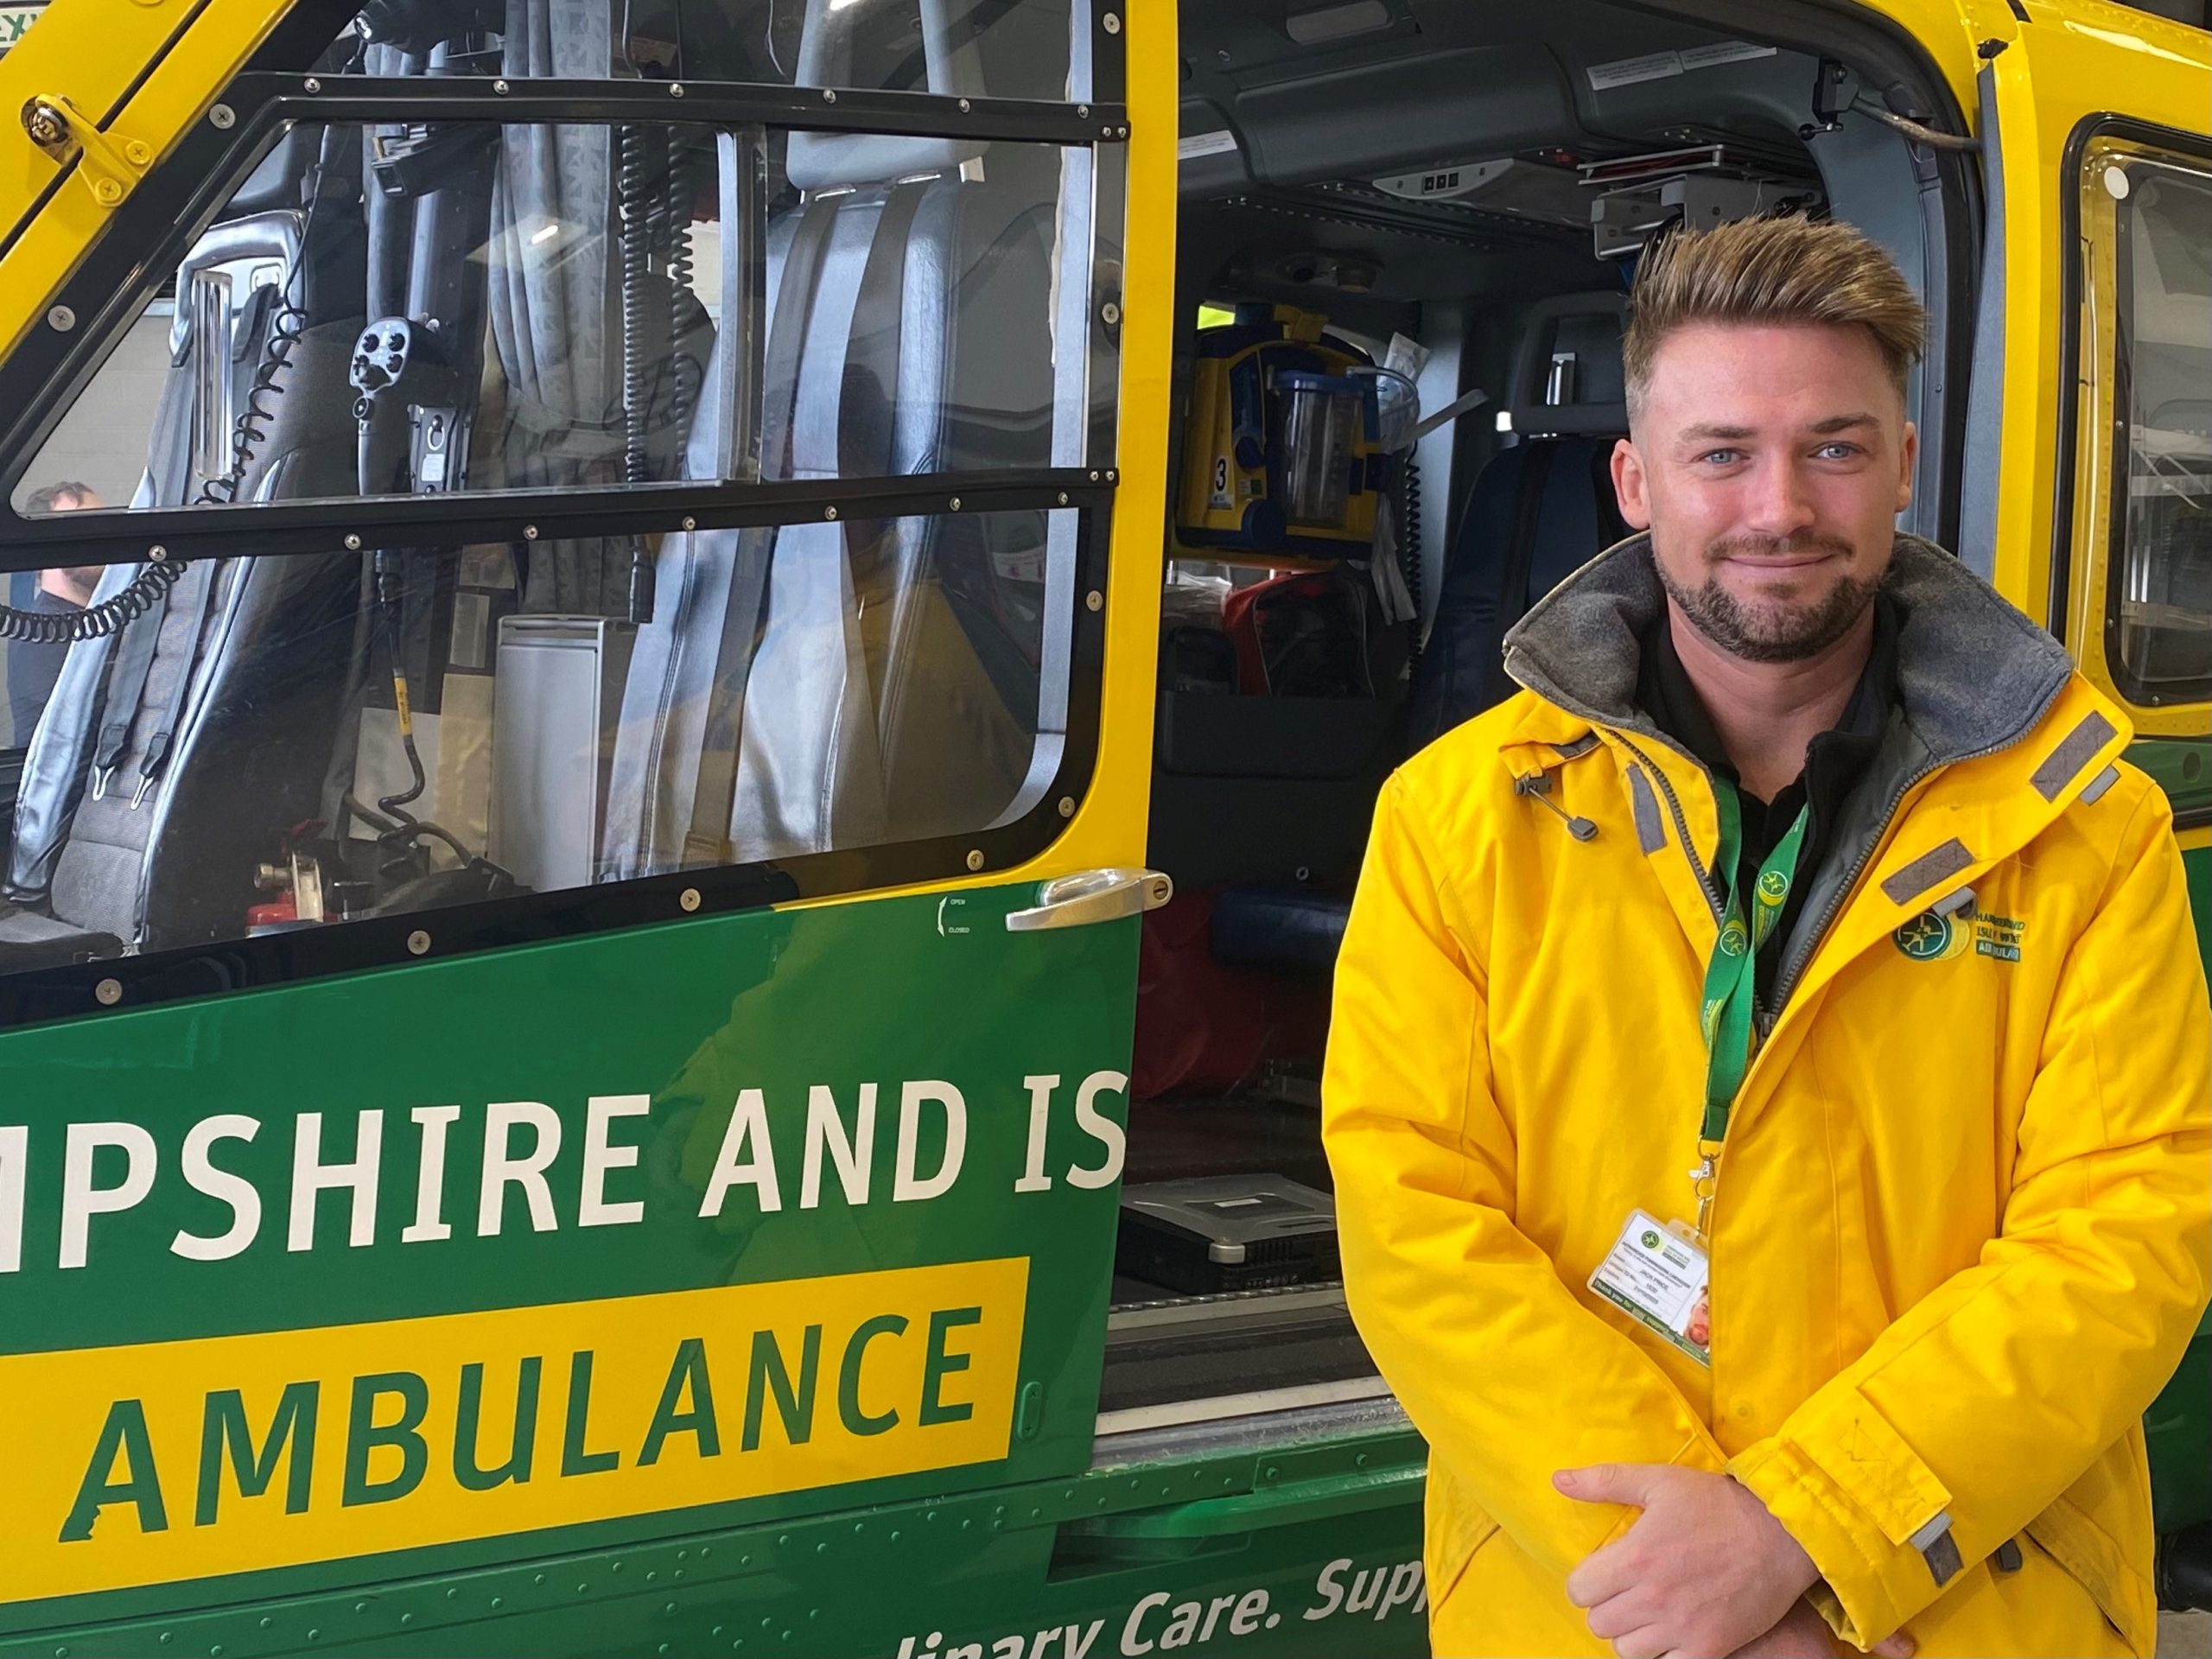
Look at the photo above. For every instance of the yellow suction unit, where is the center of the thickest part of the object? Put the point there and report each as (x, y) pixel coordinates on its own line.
(1281, 455)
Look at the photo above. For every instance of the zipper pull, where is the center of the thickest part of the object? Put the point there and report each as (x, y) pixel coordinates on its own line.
(1537, 787)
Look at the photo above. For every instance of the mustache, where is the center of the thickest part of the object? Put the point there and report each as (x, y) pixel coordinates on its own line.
(1778, 547)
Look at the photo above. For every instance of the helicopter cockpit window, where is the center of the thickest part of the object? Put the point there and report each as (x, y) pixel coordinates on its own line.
(374, 722)
(467, 307)
(401, 310)
(2159, 596)
(640, 330)
(291, 742)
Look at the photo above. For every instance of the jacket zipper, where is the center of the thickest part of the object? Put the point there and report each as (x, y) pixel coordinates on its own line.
(1793, 970)
(1786, 981)
(1704, 881)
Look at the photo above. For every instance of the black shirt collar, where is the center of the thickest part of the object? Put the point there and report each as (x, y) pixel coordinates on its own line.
(1838, 755)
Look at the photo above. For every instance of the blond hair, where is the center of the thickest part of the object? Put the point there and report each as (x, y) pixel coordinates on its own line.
(1790, 269)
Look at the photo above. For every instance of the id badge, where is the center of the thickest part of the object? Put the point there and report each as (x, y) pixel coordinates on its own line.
(1656, 1274)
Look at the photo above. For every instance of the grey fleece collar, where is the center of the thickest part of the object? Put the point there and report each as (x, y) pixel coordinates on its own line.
(1974, 675)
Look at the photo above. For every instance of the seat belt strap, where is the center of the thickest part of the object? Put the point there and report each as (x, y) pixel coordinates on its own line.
(163, 737)
(126, 687)
(879, 326)
(879, 329)
(788, 335)
(715, 793)
(1520, 555)
(1611, 527)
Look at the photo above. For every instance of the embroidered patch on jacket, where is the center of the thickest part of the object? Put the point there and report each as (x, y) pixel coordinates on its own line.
(1999, 936)
(1931, 937)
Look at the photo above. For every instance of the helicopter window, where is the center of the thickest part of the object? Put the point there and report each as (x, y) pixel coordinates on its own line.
(467, 307)
(2158, 593)
(420, 719)
(317, 738)
(339, 720)
(464, 307)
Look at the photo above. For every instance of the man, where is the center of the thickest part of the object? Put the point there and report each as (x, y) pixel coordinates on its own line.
(1794, 965)
(63, 591)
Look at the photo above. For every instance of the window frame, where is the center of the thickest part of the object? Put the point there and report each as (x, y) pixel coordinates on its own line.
(148, 233)
(2089, 526)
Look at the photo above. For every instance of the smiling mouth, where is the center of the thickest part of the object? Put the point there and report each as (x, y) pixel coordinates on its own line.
(1779, 554)
(1784, 561)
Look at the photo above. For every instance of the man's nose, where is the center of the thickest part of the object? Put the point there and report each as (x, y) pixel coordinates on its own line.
(1780, 505)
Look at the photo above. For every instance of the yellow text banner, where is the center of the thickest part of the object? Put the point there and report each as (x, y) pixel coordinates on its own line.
(150, 1464)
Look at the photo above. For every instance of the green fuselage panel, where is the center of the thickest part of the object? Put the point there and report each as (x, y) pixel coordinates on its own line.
(563, 1248)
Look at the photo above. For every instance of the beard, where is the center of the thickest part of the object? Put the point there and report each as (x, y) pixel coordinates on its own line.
(1771, 631)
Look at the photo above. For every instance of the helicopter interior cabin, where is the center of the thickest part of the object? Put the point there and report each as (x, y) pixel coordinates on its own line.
(1406, 233)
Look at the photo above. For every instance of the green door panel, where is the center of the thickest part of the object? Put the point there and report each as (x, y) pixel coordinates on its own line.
(1273, 1504)
(2183, 767)
(347, 1281)
(964, 1577)
(2178, 1426)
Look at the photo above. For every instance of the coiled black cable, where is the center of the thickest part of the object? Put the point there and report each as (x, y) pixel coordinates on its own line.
(689, 373)
(657, 264)
(145, 589)
(111, 615)
(637, 264)
(635, 214)
(251, 427)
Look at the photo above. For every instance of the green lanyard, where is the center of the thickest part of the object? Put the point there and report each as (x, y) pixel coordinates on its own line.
(1732, 979)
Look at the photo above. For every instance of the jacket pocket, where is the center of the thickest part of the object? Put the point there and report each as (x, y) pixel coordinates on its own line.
(1457, 1531)
(2088, 1555)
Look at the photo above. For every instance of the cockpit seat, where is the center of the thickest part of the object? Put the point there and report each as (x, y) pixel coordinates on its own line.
(835, 685)
(1539, 509)
(142, 826)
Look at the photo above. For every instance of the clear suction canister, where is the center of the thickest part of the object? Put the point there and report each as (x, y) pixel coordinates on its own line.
(1317, 445)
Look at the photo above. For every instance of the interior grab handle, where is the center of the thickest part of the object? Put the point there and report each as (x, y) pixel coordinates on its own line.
(1092, 896)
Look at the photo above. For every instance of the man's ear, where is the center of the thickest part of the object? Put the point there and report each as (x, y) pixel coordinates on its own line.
(1910, 452)
(1629, 486)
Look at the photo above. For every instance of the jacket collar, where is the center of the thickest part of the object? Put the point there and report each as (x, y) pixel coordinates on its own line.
(1993, 735)
(1974, 675)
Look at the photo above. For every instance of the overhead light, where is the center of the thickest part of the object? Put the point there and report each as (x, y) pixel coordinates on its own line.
(1325, 24)
(544, 233)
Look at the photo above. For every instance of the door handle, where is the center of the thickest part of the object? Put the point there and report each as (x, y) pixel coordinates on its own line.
(1092, 896)
(1293, 1503)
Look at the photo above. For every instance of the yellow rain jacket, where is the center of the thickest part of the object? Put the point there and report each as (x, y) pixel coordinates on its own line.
(1960, 1236)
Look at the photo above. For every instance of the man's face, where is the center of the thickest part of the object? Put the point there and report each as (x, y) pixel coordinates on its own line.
(86, 577)
(1769, 463)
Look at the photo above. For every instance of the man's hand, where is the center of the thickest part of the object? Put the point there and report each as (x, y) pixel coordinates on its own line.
(1803, 1634)
(1705, 1569)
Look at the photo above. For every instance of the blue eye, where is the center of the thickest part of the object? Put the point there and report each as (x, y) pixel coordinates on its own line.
(1839, 451)
(1721, 457)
